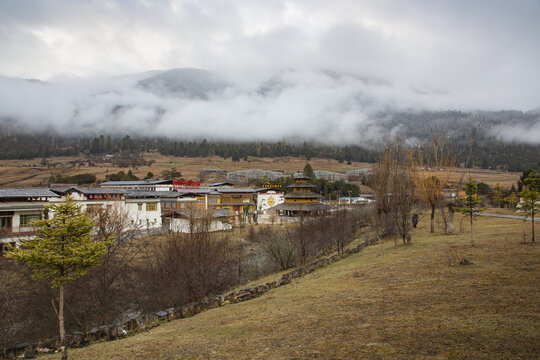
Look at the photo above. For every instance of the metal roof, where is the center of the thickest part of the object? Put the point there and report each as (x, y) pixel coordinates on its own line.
(224, 183)
(199, 214)
(302, 195)
(142, 194)
(236, 190)
(19, 207)
(301, 185)
(300, 207)
(95, 190)
(263, 189)
(202, 190)
(26, 193)
(136, 182)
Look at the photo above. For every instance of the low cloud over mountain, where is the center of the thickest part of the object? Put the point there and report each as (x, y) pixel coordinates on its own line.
(325, 106)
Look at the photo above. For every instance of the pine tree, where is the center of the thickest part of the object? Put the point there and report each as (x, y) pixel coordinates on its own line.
(530, 198)
(308, 171)
(498, 197)
(470, 204)
(63, 250)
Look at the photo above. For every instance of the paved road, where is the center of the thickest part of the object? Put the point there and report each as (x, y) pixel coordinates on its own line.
(511, 217)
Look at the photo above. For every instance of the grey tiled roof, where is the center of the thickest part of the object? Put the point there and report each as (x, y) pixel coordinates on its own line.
(26, 192)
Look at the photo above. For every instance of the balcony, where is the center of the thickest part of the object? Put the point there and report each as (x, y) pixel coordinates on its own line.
(17, 231)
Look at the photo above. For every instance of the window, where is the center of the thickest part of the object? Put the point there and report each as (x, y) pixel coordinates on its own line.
(139, 206)
(151, 207)
(27, 220)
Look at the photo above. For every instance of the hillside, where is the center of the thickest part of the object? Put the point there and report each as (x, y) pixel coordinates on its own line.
(387, 302)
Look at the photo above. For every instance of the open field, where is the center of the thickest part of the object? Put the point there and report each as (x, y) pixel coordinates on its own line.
(388, 302)
(33, 173)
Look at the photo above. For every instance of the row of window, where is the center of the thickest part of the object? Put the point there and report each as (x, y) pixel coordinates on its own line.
(28, 220)
(149, 206)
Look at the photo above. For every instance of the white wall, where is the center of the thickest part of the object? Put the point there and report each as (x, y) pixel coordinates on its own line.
(268, 199)
(182, 225)
(144, 219)
(141, 219)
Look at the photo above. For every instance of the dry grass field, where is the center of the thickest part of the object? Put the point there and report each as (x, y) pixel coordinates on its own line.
(387, 302)
(33, 173)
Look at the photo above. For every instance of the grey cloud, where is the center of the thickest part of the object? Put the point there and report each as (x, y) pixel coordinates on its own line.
(424, 55)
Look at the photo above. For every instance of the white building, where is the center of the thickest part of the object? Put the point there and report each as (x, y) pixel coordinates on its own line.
(142, 207)
(19, 207)
(150, 185)
(266, 198)
(196, 220)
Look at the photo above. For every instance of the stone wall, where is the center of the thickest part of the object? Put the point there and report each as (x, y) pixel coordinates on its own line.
(149, 321)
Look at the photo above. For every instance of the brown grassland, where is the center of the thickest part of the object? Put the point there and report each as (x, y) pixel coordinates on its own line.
(15, 173)
(31, 172)
(387, 302)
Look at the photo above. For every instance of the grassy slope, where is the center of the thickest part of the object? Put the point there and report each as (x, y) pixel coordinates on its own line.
(386, 302)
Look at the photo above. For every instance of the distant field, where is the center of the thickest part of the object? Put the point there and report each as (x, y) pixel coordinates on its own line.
(388, 302)
(32, 173)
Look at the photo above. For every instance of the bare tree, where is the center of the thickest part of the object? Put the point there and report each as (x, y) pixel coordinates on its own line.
(393, 181)
(380, 182)
(106, 290)
(301, 238)
(278, 245)
(185, 267)
(433, 168)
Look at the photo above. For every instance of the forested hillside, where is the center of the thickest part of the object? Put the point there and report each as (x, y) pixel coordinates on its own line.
(482, 139)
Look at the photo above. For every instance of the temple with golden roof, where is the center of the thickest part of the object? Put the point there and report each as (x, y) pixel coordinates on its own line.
(301, 200)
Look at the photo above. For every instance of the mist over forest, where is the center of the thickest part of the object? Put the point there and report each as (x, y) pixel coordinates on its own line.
(192, 104)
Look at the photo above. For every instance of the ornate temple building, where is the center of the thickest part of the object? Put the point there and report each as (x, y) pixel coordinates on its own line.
(301, 200)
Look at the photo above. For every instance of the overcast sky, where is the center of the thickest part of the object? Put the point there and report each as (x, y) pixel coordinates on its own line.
(470, 54)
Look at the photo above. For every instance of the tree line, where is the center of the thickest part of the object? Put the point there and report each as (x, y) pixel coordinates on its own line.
(472, 149)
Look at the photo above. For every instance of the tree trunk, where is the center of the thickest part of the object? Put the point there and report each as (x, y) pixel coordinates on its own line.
(472, 238)
(532, 221)
(63, 344)
(451, 220)
(432, 230)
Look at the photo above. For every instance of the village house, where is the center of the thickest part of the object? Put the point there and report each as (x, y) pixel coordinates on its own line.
(237, 200)
(150, 185)
(142, 207)
(19, 207)
(193, 220)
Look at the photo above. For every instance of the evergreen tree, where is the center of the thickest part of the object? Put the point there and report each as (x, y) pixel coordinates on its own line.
(498, 197)
(530, 199)
(308, 171)
(470, 204)
(63, 250)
